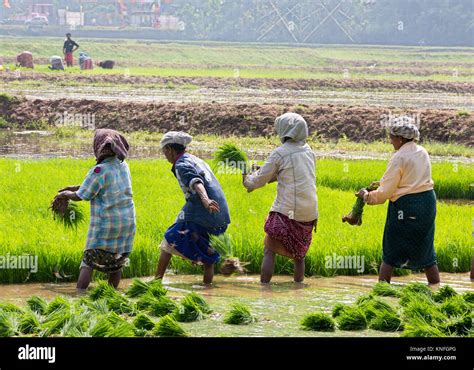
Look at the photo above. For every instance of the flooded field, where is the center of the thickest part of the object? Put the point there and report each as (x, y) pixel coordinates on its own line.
(278, 307)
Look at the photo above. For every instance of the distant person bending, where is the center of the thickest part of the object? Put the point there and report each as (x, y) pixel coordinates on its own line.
(70, 46)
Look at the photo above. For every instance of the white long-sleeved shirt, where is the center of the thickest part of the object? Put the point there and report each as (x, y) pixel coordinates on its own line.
(293, 166)
(408, 172)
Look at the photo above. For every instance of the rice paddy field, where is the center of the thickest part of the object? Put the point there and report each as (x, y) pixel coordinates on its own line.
(230, 94)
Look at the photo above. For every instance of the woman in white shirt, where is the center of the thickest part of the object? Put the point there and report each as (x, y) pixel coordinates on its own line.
(294, 212)
(408, 240)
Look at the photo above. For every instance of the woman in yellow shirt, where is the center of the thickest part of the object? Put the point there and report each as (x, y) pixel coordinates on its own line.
(408, 240)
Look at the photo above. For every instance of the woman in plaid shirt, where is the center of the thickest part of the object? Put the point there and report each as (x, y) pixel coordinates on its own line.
(108, 187)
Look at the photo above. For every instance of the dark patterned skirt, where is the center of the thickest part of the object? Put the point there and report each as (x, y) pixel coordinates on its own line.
(104, 261)
(408, 239)
(294, 235)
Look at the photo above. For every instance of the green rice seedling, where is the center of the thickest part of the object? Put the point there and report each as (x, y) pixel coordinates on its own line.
(37, 304)
(120, 305)
(55, 321)
(57, 303)
(318, 321)
(200, 301)
(385, 289)
(143, 321)
(408, 296)
(232, 156)
(162, 306)
(355, 216)
(156, 288)
(239, 314)
(338, 308)
(444, 293)
(229, 263)
(352, 318)
(459, 326)
(102, 290)
(10, 307)
(386, 321)
(145, 301)
(168, 327)
(137, 288)
(100, 327)
(123, 329)
(76, 325)
(417, 287)
(188, 311)
(468, 297)
(420, 306)
(373, 307)
(99, 307)
(455, 306)
(142, 333)
(417, 326)
(8, 323)
(67, 213)
(29, 322)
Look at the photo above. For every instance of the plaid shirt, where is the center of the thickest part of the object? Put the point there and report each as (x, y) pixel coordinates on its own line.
(108, 186)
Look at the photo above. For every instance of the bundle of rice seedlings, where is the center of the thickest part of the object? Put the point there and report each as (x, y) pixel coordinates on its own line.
(122, 329)
(385, 289)
(100, 327)
(352, 318)
(102, 290)
(373, 307)
(386, 321)
(417, 287)
(188, 311)
(143, 321)
(421, 307)
(139, 288)
(338, 308)
(318, 322)
(10, 307)
(67, 213)
(200, 301)
(408, 297)
(459, 326)
(29, 322)
(468, 297)
(37, 304)
(355, 216)
(57, 303)
(8, 323)
(99, 306)
(120, 305)
(144, 302)
(444, 293)
(141, 333)
(76, 325)
(54, 321)
(229, 263)
(455, 306)
(239, 315)
(418, 327)
(162, 306)
(168, 327)
(232, 156)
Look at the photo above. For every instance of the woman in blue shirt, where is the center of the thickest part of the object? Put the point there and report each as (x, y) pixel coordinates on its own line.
(205, 212)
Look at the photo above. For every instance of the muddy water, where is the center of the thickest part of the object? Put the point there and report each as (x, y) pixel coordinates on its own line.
(278, 307)
(409, 99)
(44, 144)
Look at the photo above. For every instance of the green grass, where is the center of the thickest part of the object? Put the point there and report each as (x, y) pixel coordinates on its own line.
(252, 60)
(239, 314)
(26, 195)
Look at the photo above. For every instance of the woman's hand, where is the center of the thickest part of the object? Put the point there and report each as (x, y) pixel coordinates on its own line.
(70, 188)
(67, 194)
(211, 205)
(362, 194)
